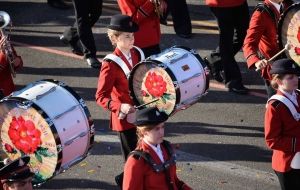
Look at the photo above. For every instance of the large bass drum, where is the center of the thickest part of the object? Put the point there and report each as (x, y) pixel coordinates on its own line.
(289, 32)
(49, 122)
(177, 78)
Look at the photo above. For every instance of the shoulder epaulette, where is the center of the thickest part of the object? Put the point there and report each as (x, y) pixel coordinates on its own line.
(262, 7)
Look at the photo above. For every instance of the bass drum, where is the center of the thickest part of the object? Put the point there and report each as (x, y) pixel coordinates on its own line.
(177, 78)
(289, 32)
(49, 122)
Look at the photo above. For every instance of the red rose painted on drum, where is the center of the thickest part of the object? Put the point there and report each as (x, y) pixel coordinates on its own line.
(155, 84)
(24, 135)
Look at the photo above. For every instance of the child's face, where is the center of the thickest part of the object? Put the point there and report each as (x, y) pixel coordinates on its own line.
(155, 135)
(125, 41)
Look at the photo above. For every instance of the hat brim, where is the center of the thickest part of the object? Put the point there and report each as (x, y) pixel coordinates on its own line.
(133, 28)
(284, 71)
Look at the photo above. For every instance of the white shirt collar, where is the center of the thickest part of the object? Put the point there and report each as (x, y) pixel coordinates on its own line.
(157, 150)
(292, 97)
(276, 5)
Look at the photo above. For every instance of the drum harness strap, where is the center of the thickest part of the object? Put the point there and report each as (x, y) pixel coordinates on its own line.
(288, 104)
(263, 7)
(121, 63)
(164, 167)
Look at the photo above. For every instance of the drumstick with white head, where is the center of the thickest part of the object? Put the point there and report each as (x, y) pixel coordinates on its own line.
(286, 47)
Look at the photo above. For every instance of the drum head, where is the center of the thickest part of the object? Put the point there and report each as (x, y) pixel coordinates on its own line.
(289, 32)
(24, 130)
(148, 82)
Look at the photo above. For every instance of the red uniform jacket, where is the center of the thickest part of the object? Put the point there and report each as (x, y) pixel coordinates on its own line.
(262, 37)
(224, 3)
(282, 134)
(113, 89)
(143, 13)
(139, 175)
(6, 81)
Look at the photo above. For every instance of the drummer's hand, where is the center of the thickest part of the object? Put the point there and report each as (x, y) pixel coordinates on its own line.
(127, 108)
(261, 64)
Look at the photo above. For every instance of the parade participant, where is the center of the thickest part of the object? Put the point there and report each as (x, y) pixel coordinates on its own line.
(152, 165)
(261, 41)
(180, 17)
(80, 36)
(16, 175)
(113, 88)
(146, 14)
(282, 126)
(233, 19)
(7, 85)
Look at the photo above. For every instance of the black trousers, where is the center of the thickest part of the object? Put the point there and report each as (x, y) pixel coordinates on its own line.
(87, 14)
(289, 180)
(151, 50)
(180, 16)
(233, 23)
(128, 140)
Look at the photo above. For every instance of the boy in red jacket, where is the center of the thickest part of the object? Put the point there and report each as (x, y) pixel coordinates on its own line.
(261, 42)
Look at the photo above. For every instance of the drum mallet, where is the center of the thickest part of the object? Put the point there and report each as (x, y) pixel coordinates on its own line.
(155, 100)
(286, 47)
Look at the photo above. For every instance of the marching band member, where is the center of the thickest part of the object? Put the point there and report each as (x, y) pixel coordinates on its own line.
(233, 18)
(16, 175)
(146, 14)
(152, 165)
(113, 88)
(282, 126)
(6, 81)
(261, 42)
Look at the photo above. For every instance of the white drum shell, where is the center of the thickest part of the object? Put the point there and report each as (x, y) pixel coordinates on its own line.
(66, 114)
(191, 82)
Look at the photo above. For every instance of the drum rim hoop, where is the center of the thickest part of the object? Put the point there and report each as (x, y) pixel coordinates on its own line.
(52, 128)
(280, 23)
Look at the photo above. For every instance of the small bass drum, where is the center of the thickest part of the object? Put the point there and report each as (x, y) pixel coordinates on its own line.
(49, 122)
(177, 78)
(289, 32)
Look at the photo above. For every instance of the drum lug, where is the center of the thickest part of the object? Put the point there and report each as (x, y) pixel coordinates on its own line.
(49, 121)
(193, 51)
(44, 94)
(25, 104)
(162, 65)
(181, 57)
(59, 148)
(70, 141)
(176, 84)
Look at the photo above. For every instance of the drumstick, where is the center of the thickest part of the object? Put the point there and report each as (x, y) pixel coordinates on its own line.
(155, 100)
(286, 47)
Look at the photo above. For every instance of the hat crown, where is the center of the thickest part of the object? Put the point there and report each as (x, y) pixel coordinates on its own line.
(283, 66)
(150, 116)
(122, 23)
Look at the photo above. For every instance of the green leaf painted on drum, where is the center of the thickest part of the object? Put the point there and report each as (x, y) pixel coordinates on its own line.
(38, 178)
(168, 96)
(44, 152)
(163, 100)
(38, 157)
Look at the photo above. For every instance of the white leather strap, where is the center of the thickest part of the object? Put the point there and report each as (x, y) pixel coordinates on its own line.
(288, 104)
(120, 62)
(141, 52)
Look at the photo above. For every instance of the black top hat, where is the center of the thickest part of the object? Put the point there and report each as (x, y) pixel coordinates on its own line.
(150, 116)
(16, 170)
(122, 23)
(284, 66)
